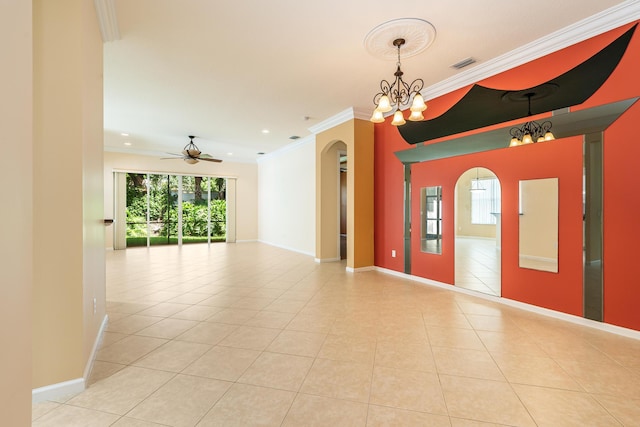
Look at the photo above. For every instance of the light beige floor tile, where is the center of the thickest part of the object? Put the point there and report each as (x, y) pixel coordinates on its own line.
(129, 349)
(127, 307)
(297, 343)
(167, 328)
(338, 379)
(223, 363)
(109, 338)
(101, 370)
(454, 338)
(207, 333)
(349, 349)
(459, 422)
(611, 379)
(380, 416)
(71, 416)
(311, 323)
(223, 301)
(466, 363)
(500, 342)
(270, 319)
(413, 355)
(162, 296)
(189, 298)
(286, 305)
(131, 324)
(366, 327)
(560, 408)
(493, 323)
(245, 405)
(280, 371)
(174, 356)
(249, 303)
(233, 316)
(41, 408)
(451, 318)
(531, 370)
(164, 309)
(413, 390)
(181, 402)
(484, 400)
(122, 391)
(250, 337)
(317, 411)
(626, 411)
(132, 422)
(196, 312)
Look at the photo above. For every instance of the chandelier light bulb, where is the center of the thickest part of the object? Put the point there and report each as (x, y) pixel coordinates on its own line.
(398, 118)
(416, 116)
(377, 116)
(384, 104)
(418, 104)
(549, 136)
(514, 142)
(526, 139)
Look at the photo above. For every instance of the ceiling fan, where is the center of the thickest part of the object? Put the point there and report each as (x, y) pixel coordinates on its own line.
(191, 154)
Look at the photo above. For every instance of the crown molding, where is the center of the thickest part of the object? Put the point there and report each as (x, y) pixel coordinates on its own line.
(343, 116)
(108, 20)
(614, 17)
(333, 121)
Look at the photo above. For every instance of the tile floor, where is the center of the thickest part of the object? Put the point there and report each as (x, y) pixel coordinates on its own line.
(478, 265)
(247, 334)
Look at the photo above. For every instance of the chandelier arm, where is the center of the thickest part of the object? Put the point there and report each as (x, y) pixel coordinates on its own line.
(416, 86)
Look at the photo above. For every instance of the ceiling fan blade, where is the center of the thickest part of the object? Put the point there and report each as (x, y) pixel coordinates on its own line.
(210, 160)
(171, 158)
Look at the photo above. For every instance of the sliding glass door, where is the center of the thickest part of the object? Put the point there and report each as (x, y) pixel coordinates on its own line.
(171, 209)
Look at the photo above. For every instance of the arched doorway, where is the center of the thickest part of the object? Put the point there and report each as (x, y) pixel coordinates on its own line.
(478, 236)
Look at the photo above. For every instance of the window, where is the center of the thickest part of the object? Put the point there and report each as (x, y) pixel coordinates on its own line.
(484, 203)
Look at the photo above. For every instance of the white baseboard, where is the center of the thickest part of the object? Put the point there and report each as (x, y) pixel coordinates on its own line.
(58, 390)
(75, 386)
(288, 248)
(361, 269)
(323, 260)
(94, 349)
(618, 330)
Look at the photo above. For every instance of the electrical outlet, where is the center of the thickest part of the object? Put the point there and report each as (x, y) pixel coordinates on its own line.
(393, 253)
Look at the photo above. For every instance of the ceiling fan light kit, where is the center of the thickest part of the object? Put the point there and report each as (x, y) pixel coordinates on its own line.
(191, 154)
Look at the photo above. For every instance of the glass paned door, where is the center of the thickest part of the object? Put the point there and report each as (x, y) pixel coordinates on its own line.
(195, 209)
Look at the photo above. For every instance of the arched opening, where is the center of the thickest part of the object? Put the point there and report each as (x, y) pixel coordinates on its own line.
(331, 202)
(478, 231)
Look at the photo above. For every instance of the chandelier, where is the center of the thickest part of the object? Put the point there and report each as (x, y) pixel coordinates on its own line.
(397, 95)
(532, 131)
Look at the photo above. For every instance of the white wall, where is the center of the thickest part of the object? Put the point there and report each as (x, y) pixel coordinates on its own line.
(286, 197)
(246, 188)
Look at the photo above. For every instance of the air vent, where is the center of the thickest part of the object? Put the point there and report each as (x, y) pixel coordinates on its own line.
(465, 62)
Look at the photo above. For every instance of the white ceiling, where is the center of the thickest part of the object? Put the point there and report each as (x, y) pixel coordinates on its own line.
(226, 70)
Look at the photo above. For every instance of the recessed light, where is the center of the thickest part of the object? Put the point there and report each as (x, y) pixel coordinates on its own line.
(124, 134)
(261, 153)
(127, 143)
(294, 137)
(265, 131)
(229, 154)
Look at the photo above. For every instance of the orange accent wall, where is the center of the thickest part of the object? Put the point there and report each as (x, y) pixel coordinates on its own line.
(561, 158)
